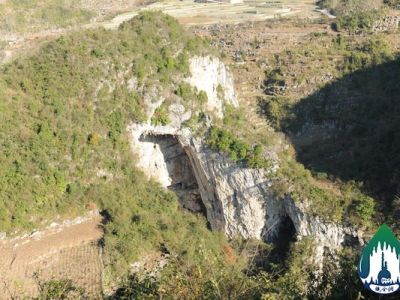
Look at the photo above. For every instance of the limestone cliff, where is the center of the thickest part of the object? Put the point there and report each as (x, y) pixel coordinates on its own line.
(235, 199)
(209, 74)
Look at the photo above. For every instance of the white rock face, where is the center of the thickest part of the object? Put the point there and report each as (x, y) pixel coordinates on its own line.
(236, 200)
(151, 158)
(327, 236)
(240, 201)
(234, 197)
(207, 73)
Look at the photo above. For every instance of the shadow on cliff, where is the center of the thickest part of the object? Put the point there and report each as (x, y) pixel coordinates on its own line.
(351, 129)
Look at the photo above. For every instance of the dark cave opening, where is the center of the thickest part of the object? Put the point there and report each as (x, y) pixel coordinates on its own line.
(285, 236)
(276, 252)
(175, 164)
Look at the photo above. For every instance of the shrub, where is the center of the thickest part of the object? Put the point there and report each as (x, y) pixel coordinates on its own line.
(277, 110)
(274, 77)
(372, 52)
(365, 208)
(59, 289)
(234, 117)
(256, 159)
(135, 288)
(185, 90)
(220, 92)
(357, 22)
(224, 141)
(97, 53)
(202, 98)
(160, 116)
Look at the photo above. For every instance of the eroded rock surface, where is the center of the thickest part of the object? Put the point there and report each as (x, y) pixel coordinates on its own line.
(236, 200)
(209, 74)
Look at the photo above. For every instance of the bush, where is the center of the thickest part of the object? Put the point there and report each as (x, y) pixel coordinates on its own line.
(222, 140)
(160, 117)
(274, 77)
(202, 98)
(256, 159)
(375, 51)
(97, 53)
(185, 90)
(357, 22)
(277, 110)
(59, 289)
(234, 117)
(365, 208)
(135, 288)
(220, 92)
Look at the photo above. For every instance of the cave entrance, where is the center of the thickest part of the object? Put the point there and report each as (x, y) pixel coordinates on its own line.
(170, 165)
(281, 241)
(284, 238)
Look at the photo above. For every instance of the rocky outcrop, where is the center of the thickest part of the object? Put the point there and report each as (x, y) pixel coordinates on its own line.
(207, 74)
(238, 200)
(387, 23)
(212, 76)
(235, 199)
(327, 236)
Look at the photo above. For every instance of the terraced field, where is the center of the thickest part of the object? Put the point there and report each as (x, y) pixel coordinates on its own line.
(63, 252)
(192, 13)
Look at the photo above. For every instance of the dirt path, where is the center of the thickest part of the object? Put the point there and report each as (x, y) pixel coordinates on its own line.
(68, 251)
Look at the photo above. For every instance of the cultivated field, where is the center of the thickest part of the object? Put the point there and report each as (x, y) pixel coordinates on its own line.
(192, 13)
(63, 252)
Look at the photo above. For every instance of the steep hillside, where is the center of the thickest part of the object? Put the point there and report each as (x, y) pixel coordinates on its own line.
(143, 123)
(341, 111)
(357, 116)
(64, 145)
(65, 148)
